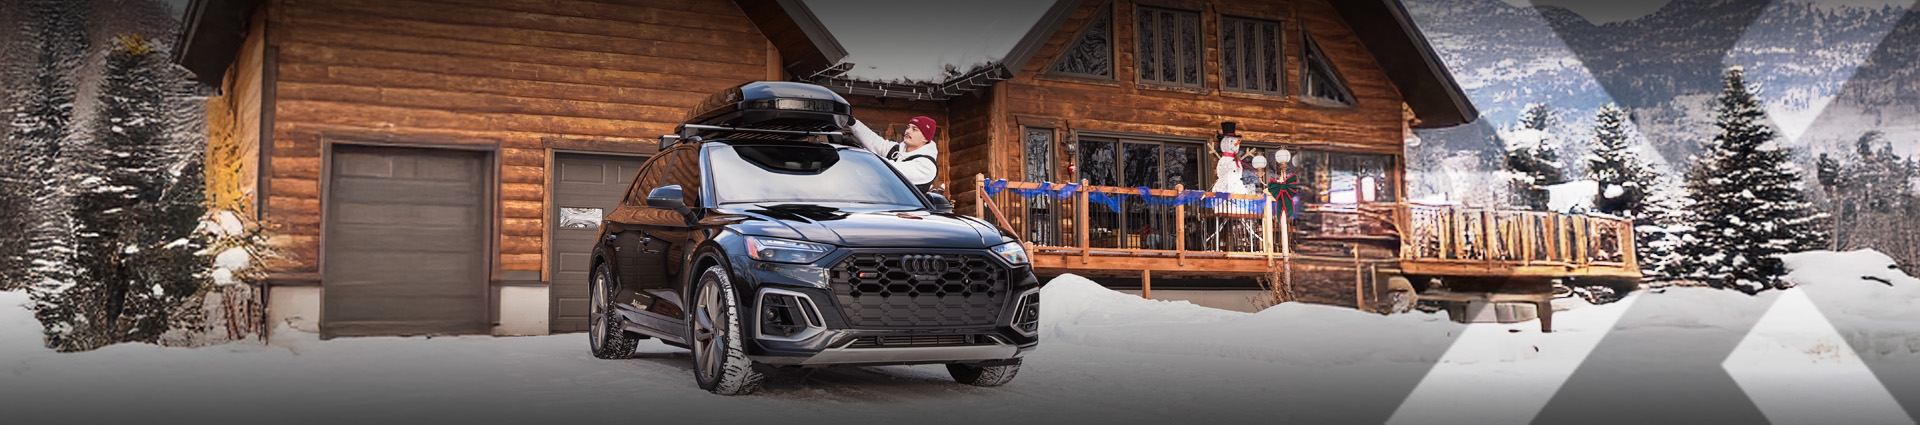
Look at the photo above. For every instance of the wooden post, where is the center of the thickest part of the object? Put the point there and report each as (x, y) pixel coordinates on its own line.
(1526, 238)
(1545, 312)
(1080, 213)
(1180, 225)
(980, 196)
(1359, 281)
(1486, 236)
(1266, 228)
(1627, 250)
(1146, 284)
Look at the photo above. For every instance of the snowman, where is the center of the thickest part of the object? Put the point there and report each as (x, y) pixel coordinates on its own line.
(1227, 171)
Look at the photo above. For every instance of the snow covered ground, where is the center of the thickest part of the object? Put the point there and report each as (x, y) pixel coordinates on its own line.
(1106, 357)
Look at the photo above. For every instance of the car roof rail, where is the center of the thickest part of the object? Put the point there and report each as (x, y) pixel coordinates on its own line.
(697, 132)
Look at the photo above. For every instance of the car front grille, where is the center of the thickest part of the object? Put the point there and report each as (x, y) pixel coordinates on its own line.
(920, 290)
(920, 341)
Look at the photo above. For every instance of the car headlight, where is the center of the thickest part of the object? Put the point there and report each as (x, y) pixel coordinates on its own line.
(1012, 252)
(784, 250)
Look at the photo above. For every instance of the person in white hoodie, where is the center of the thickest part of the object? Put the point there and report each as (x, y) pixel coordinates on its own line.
(914, 155)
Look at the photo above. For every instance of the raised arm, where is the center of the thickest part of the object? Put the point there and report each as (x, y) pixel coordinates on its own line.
(871, 140)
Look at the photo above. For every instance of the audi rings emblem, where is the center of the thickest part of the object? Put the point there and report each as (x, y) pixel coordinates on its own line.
(923, 264)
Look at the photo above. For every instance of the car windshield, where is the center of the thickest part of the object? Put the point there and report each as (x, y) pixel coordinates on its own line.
(805, 174)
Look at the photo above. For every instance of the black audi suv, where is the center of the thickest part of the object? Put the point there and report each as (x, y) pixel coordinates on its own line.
(762, 237)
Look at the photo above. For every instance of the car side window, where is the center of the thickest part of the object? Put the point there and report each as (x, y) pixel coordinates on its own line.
(686, 173)
(646, 180)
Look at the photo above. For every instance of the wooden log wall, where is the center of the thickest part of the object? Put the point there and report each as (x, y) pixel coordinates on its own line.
(518, 76)
(1374, 124)
(233, 128)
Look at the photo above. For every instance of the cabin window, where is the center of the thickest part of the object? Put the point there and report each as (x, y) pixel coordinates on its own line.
(1320, 80)
(1137, 163)
(1039, 144)
(1091, 54)
(1169, 46)
(1346, 178)
(1250, 56)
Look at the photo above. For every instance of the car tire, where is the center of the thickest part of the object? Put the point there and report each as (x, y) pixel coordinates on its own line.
(720, 363)
(984, 376)
(606, 331)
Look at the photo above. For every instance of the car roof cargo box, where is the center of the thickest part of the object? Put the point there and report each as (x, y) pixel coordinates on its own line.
(769, 110)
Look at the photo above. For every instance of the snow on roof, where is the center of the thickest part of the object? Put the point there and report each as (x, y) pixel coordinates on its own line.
(917, 42)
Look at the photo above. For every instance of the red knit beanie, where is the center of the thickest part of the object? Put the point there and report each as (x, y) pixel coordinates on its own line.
(925, 125)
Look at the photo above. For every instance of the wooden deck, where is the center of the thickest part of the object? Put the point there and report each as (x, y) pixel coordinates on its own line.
(1177, 233)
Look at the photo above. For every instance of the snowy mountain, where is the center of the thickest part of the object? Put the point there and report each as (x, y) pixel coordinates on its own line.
(1665, 67)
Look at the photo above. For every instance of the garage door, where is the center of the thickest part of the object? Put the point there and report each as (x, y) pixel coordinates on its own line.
(585, 188)
(406, 243)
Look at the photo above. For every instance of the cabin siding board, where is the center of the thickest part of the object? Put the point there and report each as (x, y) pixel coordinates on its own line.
(519, 76)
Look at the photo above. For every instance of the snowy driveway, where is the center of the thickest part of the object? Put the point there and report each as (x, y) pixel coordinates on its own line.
(1106, 358)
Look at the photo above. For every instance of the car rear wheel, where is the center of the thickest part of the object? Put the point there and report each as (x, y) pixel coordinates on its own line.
(606, 330)
(720, 362)
(984, 376)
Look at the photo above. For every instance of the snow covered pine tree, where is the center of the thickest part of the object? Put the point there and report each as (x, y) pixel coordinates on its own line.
(1871, 196)
(42, 130)
(1748, 198)
(1616, 165)
(137, 210)
(1533, 158)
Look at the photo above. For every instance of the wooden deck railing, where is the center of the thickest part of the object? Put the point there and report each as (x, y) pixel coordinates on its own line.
(1449, 233)
(1072, 222)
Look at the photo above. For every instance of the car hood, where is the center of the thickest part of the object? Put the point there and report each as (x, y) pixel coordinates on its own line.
(866, 228)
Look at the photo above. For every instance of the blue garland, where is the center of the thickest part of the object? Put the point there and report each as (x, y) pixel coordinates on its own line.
(1066, 191)
(994, 187)
(1184, 198)
(1111, 200)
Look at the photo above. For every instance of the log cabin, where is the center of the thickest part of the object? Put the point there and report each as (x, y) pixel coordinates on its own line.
(439, 166)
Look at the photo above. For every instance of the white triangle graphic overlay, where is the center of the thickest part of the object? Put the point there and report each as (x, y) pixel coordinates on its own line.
(1796, 107)
(1493, 376)
(1798, 370)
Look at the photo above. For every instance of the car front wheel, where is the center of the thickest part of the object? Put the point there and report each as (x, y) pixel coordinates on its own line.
(984, 376)
(720, 362)
(606, 331)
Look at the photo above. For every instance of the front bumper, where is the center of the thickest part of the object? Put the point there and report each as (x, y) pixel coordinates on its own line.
(823, 335)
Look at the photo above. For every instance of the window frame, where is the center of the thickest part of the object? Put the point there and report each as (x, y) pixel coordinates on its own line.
(1202, 176)
(1053, 144)
(1309, 50)
(1113, 56)
(1199, 64)
(1279, 43)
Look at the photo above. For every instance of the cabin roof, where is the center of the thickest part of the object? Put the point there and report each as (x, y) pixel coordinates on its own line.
(213, 31)
(211, 34)
(1389, 34)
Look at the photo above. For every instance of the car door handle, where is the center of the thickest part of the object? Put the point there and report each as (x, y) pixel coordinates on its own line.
(644, 242)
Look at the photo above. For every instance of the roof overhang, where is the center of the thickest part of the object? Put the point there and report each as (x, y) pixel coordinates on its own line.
(818, 59)
(1397, 43)
(211, 35)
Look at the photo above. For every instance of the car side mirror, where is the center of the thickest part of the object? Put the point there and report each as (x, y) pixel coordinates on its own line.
(940, 204)
(668, 197)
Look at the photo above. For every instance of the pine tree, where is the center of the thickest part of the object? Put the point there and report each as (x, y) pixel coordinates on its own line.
(1749, 204)
(1665, 232)
(41, 138)
(1616, 166)
(137, 209)
(1870, 192)
(1533, 158)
